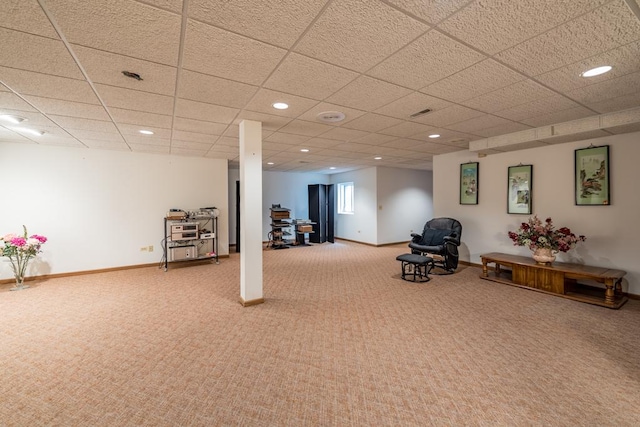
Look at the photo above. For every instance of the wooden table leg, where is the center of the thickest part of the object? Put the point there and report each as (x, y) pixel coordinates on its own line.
(498, 271)
(485, 272)
(609, 296)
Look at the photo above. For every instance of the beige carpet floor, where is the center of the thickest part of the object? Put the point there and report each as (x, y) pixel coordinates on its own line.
(340, 341)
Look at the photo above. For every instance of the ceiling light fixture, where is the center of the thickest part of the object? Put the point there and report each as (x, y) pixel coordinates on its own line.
(146, 132)
(280, 106)
(377, 158)
(12, 119)
(331, 116)
(270, 163)
(596, 71)
(304, 150)
(435, 135)
(32, 131)
(332, 167)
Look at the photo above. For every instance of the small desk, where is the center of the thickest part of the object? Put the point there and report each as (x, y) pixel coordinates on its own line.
(558, 279)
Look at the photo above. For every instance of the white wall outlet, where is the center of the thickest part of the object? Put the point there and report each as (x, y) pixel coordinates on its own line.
(150, 248)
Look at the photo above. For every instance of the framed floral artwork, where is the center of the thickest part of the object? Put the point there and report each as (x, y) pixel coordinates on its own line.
(469, 183)
(592, 176)
(519, 191)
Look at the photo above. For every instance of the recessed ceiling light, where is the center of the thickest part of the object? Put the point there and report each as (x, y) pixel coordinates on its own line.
(332, 167)
(596, 71)
(33, 131)
(269, 163)
(435, 135)
(280, 106)
(146, 132)
(12, 119)
(304, 150)
(377, 158)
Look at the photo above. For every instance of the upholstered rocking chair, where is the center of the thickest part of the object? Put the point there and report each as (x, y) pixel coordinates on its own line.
(440, 236)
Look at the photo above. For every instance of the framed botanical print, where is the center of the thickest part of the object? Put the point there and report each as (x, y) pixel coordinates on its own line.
(469, 183)
(519, 191)
(592, 176)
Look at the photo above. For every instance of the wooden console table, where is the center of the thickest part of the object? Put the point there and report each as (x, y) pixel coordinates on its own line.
(558, 279)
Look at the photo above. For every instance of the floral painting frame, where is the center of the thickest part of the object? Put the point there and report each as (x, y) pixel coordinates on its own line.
(469, 183)
(592, 186)
(520, 189)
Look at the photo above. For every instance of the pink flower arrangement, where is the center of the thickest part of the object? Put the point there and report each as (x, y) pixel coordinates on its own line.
(535, 234)
(20, 249)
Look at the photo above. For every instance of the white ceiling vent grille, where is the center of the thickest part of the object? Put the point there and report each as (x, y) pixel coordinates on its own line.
(420, 113)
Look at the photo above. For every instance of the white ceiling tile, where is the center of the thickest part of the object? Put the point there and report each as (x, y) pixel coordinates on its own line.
(35, 53)
(147, 140)
(344, 134)
(192, 145)
(401, 143)
(375, 139)
(432, 11)
(82, 134)
(366, 93)
(404, 107)
(495, 25)
(245, 60)
(607, 89)
(509, 96)
(128, 129)
(130, 99)
(537, 107)
(7, 135)
(104, 67)
(625, 60)
(263, 101)
(182, 123)
(11, 101)
(258, 19)
(214, 90)
(372, 122)
(68, 108)
(558, 116)
(432, 57)
(188, 152)
(322, 142)
(25, 16)
(406, 129)
(269, 121)
(84, 124)
(121, 26)
(286, 138)
(434, 148)
(315, 80)
(357, 35)
(141, 118)
(202, 111)
(323, 107)
(62, 141)
(478, 123)
(483, 77)
(615, 104)
(231, 142)
(605, 28)
(449, 115)
(171, 5)
(47, 86)
(300, 127)
(502, 129)
(194, 137)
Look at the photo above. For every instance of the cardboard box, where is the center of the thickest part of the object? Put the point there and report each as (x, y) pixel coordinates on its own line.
(305, 228)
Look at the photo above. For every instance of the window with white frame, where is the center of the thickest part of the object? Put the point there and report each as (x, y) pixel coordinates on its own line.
(345, 198)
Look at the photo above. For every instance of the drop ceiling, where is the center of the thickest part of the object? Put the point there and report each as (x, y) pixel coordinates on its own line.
(485, 69)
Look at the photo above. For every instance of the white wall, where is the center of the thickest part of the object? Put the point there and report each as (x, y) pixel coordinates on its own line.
(362, 225)
(288, 189)
(612, 231)
(405, 203)
(98, 208)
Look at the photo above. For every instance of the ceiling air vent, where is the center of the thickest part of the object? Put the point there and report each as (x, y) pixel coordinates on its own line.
(419, 113)
(132, 75)
(331, 116)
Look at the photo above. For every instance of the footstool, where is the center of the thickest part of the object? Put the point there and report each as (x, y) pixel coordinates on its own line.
(415, 265)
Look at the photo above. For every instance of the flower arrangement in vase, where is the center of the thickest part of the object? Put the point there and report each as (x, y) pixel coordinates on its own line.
(544, 239)
(20, 249)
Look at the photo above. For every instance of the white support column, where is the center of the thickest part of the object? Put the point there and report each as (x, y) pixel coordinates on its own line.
(250, 213)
